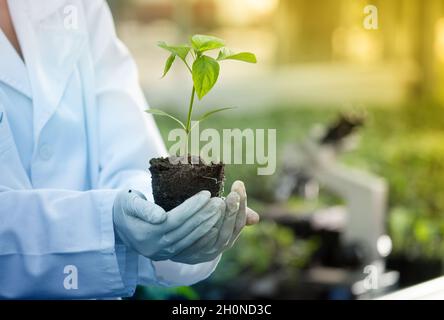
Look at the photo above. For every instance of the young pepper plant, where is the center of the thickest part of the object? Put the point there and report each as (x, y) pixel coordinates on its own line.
(203, 68)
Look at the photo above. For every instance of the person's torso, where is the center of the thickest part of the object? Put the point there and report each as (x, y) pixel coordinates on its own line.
(43, 105)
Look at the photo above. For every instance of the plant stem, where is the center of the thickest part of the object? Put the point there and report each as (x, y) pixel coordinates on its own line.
(190, 111)
(188, 126)
(188, 66)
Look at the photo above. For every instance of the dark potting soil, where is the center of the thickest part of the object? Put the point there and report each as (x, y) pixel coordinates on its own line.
(173, 182)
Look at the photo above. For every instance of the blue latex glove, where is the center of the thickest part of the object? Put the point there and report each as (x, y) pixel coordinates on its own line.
(149, 230)
(226, 231)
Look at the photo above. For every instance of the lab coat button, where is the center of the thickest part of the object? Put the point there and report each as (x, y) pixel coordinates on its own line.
(45, 152)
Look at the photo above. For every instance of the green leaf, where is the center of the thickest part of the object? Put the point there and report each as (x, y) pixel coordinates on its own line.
(158, 112)
(202, 43)
(181, 51)
(168, 64)
(226, 54)
(205, 74)
(210, 113)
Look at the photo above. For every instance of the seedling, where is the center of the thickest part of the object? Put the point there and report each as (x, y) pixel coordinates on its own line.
(175, 182)
(203, 68)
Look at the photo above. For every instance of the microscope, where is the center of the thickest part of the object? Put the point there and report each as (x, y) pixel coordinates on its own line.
(357, 261)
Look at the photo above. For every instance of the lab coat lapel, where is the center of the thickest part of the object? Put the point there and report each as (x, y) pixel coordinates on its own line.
(12, 69)
(13, 175)
(51, 50)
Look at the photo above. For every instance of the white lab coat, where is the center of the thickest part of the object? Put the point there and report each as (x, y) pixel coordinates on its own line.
(82, 136)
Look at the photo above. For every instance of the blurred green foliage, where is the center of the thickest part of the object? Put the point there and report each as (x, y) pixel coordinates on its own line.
(404, 144)
(406, 147)
(155, 293)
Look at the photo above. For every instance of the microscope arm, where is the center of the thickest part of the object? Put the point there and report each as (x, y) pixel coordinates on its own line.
(365, 196)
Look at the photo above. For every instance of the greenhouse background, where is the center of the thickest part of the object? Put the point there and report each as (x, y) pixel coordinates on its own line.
(316, 61)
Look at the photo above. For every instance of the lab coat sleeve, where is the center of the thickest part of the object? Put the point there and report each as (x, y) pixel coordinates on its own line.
(60, 244)
(173, 274)
(128, 136)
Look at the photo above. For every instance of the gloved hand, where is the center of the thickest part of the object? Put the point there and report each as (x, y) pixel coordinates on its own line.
(224, 234)
(149, 230)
